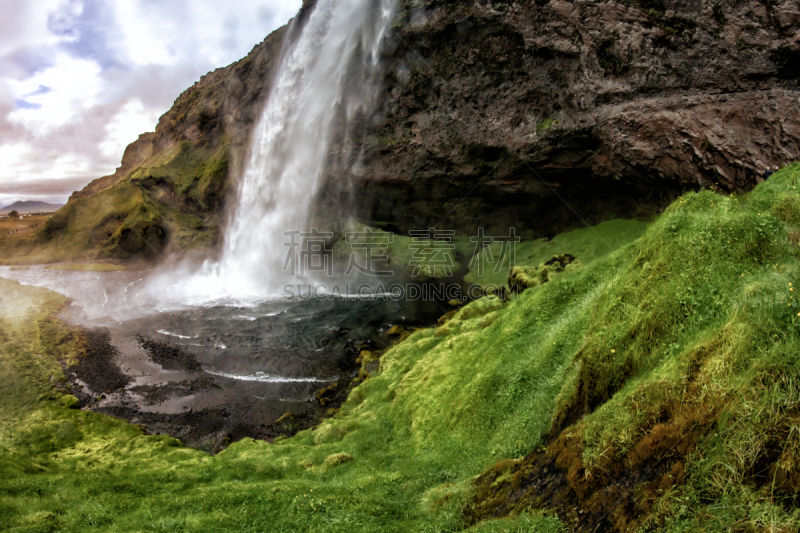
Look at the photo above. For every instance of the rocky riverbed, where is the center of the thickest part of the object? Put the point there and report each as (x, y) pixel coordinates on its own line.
(217, 373)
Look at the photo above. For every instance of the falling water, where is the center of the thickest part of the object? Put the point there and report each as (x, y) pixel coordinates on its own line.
(326, 72)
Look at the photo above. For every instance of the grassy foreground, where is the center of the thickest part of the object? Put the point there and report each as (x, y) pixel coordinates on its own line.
(684, 344)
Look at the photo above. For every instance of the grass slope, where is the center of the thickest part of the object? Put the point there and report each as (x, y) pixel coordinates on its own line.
(679, 350)
(586, 244)
(490, 266)
(169, 204)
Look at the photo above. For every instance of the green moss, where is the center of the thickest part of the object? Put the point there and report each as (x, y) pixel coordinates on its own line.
(69, 401)
(198, 174)
(213, 182)
(545, 124)
(586, 244)
(336, 459)
(692, 317)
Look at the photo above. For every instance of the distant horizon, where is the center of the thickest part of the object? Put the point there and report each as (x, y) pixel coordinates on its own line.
(26, 202)
(32, 205)
(53, 201)
(57, 199)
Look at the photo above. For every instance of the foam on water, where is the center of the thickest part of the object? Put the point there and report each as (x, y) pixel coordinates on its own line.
(268, 378)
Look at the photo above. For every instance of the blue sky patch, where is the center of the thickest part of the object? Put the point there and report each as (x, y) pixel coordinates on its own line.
(43, 89)
(22, 104)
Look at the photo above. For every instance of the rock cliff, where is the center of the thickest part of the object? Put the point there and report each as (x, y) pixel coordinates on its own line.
(541, 115)
(608, 106)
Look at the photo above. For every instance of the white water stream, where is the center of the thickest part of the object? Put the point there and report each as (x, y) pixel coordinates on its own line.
(327, 72)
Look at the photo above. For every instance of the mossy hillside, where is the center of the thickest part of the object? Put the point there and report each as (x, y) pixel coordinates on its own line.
(405, 253)
(688, 375)
(679, 333)
(406, 473)
(105, 225)
(194, 173)
(364, 471)
(717, 341)
(170, 204)
(43, 442)
(586, 244)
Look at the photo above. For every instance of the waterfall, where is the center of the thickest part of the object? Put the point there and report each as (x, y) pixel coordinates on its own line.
(328, 71)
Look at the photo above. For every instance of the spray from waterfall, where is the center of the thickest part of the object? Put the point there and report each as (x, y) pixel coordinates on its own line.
(327, 72)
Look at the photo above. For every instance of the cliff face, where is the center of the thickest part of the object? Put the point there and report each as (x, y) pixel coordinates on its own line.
(540, 115)
(170, 191)
(606, 106)
(221, 107)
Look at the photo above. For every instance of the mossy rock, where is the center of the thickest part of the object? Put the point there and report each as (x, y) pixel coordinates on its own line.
(398, 334)
(287, 421)
(143, 237)
(528, 277)
(524, 277)
(371, 368)
(447, 316)
(332, 461)
(327, 395)
(395, 330)
(69, 401)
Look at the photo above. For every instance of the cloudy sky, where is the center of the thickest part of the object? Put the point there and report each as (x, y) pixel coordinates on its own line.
(81, 79)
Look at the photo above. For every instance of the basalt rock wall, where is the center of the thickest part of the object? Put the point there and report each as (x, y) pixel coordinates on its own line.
(540, 115)
(544, 113)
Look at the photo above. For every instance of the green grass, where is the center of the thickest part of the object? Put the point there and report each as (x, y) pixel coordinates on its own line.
(586, 244)
(545, 124)
(693, 320)
(169, 204)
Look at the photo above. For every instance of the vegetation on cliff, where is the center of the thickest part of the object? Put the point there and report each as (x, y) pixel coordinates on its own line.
(653, 387)
(171, 203)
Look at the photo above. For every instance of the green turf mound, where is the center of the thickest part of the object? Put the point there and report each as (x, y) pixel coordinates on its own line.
(652, 388)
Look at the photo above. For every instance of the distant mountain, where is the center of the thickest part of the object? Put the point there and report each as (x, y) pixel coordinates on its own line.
(30, 207)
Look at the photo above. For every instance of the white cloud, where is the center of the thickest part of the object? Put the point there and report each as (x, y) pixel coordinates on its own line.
(24, 24)
(17, 162)
(89, 76)
(143, 36)
(132, 120)
(31, 173)
(61, 92)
